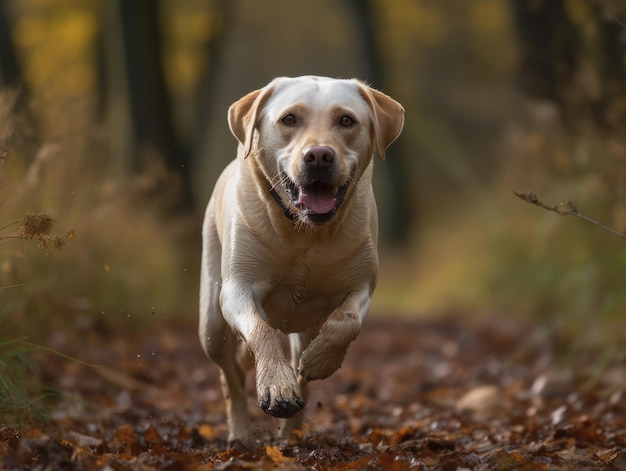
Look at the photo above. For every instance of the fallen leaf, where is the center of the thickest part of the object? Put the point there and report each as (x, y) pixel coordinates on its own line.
(276, 455)
(483, 401)
(206, 431)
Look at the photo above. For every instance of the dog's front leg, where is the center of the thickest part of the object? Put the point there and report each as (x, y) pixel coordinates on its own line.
(277, 387)
(297, 344)
(326, 352)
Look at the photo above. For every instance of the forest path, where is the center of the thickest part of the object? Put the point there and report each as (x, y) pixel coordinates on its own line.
(440, 394)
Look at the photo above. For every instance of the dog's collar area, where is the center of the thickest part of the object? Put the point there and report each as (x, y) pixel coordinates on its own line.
(288, 212)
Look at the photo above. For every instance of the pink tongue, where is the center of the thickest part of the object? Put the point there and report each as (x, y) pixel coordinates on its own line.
(318, 197)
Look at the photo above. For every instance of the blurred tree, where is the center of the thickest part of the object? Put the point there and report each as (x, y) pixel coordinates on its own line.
(207, 84)
(10, 70)
(396, 215)
(153, 133)
(11, 76)
(573, 53)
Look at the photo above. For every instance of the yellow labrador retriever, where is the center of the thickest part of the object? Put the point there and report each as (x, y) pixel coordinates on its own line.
(289, 240)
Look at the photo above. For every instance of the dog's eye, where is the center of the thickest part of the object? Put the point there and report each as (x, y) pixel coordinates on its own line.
(347, 121)
(289, 120)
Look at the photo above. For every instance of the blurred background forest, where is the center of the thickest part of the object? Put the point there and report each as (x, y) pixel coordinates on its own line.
(113, 121)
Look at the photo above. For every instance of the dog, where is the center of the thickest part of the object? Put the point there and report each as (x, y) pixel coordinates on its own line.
(289, 240)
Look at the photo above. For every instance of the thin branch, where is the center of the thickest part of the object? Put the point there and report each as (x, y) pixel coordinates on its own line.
(12, 286)
(3, 237)
(9, 225)
(566, 208)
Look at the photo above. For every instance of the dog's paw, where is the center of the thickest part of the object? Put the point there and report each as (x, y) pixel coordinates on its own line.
(279, 394)
(321, 359)
(240, 444)
(281, 408)
(324, 355)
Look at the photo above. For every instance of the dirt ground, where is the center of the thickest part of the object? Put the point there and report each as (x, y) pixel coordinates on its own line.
(444, 394)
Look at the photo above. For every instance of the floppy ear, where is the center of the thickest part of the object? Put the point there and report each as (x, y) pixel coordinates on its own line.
(243, 116)
(388, 118)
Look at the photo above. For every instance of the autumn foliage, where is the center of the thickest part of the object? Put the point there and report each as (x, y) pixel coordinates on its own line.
(430, 395)
(100, 366)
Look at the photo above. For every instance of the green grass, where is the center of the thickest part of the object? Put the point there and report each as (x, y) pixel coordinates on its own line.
(24, 399)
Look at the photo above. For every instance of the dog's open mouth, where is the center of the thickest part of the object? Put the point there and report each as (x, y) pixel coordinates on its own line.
(319, 198)
(317, 201)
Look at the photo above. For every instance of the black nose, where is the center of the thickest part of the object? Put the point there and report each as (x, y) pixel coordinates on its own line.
(319, 156)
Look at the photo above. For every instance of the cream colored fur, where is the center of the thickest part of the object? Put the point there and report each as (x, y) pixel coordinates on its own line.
(269, 263)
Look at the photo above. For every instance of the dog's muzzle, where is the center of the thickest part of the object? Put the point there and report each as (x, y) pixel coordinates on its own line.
(317, 198)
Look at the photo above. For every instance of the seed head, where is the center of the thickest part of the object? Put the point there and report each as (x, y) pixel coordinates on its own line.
(36, 225)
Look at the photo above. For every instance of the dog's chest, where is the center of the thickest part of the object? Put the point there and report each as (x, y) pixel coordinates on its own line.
(303, 295)
(294, 308)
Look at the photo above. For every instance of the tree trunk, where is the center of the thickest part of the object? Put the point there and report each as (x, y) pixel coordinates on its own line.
(150, 110)
(396, 216)
(575, 58)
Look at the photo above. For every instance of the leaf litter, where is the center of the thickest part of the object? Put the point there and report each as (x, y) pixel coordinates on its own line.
(439, 394)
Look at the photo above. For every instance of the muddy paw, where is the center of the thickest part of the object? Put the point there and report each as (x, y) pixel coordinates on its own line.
(278, 392)
(282, 408)
(238, 444)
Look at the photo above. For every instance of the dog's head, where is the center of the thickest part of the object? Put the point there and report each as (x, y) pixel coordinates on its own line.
(313, 138)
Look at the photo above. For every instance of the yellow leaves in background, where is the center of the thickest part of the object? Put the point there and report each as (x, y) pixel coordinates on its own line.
(53, 43)
(488, 17)
(187, 27)
(425, 23)
(414, 24)
(454, 38)
(579, 12)
(57, 43)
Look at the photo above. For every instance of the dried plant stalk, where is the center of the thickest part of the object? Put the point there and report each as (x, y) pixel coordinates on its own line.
(38, 226)
(565, 208)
